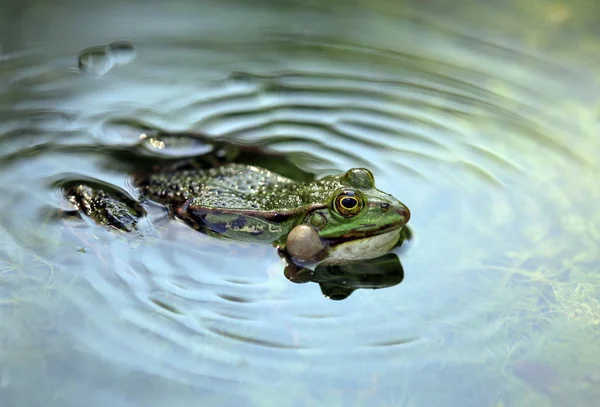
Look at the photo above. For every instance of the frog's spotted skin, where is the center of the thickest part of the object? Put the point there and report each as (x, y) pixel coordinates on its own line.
(351, 218)
(236, 186)
(111, 207)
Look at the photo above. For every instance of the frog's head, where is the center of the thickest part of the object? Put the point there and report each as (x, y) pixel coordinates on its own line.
(358, 221)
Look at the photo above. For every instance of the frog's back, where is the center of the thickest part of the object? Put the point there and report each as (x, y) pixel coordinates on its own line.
(235, 201)
(232, 186)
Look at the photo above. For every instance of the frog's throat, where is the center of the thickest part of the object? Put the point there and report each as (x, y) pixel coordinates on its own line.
(366, 248)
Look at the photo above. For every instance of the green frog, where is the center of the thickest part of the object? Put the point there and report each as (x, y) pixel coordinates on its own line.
(334, 219)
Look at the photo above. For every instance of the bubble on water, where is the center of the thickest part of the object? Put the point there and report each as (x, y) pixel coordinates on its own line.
(99, 60)
(175, 146)
(122, 52)
(95, 61)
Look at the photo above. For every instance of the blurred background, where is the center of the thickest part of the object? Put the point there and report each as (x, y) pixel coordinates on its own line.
(481, 116)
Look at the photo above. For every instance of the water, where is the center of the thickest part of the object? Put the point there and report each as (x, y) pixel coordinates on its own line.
(481, 117)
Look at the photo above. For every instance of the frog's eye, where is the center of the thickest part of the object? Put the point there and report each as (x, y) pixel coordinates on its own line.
(360, 178)
(348, 204)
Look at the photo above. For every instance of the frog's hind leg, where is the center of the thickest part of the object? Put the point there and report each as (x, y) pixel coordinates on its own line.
(105, 204)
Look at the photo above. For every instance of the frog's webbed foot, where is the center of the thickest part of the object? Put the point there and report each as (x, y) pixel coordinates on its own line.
(104, 204)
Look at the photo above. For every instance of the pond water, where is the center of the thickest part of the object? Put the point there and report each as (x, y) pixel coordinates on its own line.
(481, 116)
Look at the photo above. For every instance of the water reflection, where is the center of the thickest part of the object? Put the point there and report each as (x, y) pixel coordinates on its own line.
(489, 130)
(338, 281)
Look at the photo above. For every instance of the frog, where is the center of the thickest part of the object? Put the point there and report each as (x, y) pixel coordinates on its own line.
(240, 192)
(337, 218)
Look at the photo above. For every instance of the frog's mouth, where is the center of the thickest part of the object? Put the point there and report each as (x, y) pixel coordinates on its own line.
(367, 230)
(362, 232)
(369, 247)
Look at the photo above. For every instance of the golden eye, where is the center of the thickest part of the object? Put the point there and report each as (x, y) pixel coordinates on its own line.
(348, 204)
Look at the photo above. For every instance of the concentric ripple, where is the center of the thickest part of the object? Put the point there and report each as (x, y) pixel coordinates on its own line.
(471, 135)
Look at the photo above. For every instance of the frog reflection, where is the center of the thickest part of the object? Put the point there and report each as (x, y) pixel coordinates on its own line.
(335, 219)
(339, 281)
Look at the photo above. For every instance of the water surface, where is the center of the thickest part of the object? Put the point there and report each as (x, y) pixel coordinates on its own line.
(482, 119)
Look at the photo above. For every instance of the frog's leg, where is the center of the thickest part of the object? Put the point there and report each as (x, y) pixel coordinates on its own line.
(106, 205)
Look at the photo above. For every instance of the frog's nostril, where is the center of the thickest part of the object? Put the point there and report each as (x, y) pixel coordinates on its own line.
(405, 213)
(385, 205)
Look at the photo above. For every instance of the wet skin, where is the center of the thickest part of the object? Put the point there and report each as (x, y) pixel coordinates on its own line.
(335, 219)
